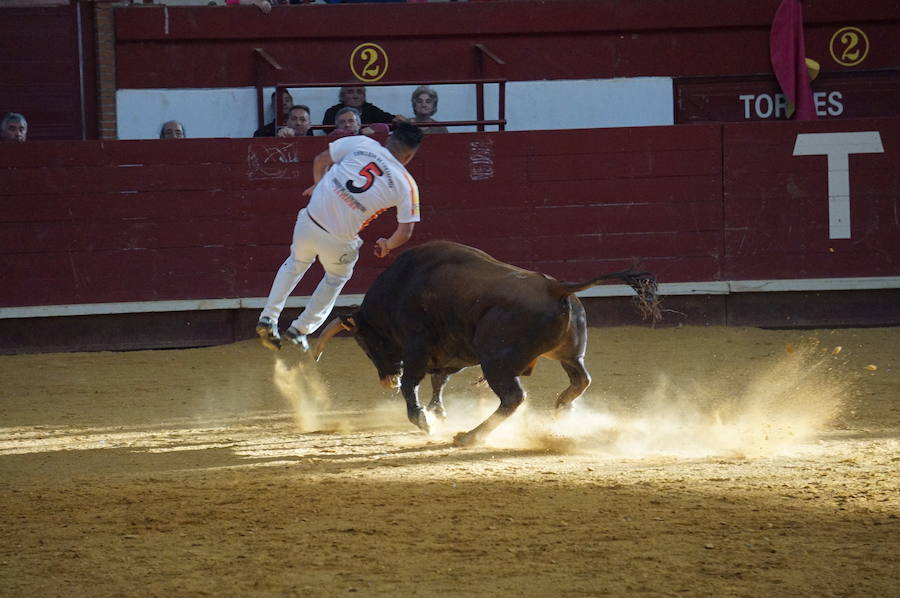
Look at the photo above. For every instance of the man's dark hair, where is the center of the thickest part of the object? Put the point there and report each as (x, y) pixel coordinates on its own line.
(407, 134)
(162, 129)
(275, 94)
(300, 107)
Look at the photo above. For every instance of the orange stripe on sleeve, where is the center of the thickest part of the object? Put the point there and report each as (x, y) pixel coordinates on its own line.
(414, 195)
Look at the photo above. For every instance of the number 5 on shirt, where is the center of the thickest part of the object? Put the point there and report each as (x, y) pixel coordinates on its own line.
(369, 172)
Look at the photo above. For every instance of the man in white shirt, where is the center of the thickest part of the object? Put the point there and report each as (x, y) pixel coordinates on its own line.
(356, 179)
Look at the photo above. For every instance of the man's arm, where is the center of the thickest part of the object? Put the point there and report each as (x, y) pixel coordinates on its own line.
(374, 128)
(321, 163)
(401, 235)
(373, 114)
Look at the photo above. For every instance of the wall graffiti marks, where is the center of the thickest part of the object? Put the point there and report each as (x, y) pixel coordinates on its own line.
(272, 162)
(481, 160)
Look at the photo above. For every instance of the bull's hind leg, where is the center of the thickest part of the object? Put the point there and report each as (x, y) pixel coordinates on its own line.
(579, 380)
(436, 406)
(511, 396)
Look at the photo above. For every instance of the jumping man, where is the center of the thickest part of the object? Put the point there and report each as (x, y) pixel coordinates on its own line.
(356, 179)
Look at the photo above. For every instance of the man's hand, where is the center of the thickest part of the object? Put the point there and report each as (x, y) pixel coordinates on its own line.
(401, 235)
(381, 248)
(285, 132)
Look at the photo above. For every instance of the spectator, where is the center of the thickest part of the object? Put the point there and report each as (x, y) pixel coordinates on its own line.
(172, 130)
(264, 5)
(15, 127)
(287, 100)
(298, 122)
(347, 122)
(355, 97)
(424, 105)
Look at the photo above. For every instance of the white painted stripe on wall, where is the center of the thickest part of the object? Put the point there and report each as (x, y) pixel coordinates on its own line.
(133, 307)
(672, 288)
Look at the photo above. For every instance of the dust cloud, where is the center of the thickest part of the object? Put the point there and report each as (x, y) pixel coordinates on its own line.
(775, 412)
(302, 387)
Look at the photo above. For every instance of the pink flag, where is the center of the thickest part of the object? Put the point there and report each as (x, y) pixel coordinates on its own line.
(786, 49)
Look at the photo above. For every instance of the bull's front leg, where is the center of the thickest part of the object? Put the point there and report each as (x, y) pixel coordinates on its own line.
(414, 410)
(413, 373)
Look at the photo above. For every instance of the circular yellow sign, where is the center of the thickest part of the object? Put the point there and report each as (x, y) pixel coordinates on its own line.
(849, 46)
(368, 62)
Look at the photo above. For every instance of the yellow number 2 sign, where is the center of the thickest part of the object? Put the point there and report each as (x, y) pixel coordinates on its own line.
(849, 46)
(369, 62)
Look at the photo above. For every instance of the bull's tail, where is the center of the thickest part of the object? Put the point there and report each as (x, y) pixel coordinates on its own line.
(644, 285)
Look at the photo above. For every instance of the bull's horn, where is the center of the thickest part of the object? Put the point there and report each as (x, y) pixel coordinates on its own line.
(333, 328)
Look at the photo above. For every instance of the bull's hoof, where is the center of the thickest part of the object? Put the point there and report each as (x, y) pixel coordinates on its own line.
(420, 420)
(465, 439)
(563, 409)
(438, 411)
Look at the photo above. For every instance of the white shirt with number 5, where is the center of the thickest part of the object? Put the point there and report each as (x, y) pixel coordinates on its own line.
(364, 181)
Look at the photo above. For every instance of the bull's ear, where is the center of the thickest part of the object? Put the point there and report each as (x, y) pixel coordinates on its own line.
(349, 323)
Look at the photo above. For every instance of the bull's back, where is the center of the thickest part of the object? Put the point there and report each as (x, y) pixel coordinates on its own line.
(471, 301)
(467, 271)
(446, 278)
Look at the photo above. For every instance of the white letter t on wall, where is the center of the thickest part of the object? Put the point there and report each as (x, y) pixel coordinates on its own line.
(838, 146)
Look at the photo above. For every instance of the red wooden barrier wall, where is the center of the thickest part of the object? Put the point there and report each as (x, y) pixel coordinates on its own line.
(776, 205)
(52, 84)
(88, 222)
(561, 39)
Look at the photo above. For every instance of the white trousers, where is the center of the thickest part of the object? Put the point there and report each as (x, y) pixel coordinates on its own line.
(337, 258)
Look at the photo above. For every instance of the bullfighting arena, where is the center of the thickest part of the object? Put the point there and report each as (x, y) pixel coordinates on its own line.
(701, 462)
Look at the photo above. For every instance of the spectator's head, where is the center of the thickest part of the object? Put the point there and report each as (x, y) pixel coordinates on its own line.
(298, 119)
(424, 101)
(353, 95)
(287, 100)
(405, 140)
(15, 127)
(348, 119)
(172, 130)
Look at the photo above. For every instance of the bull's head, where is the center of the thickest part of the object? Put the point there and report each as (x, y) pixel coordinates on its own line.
(383, 353)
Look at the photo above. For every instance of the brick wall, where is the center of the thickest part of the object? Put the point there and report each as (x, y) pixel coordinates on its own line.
(104, 20)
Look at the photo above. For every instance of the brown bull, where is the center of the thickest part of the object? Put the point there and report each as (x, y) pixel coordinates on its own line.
(442, 306)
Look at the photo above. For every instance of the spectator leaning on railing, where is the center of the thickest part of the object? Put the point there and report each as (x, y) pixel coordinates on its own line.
(355, 97)
(298, 122)
(347, 122)
(268, 130)
(424, 105)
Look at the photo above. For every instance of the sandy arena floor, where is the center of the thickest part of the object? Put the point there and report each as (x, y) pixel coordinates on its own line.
(702, 462)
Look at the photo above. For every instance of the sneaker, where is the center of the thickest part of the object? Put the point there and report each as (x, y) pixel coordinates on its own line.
(267, 331)
(298, 338)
